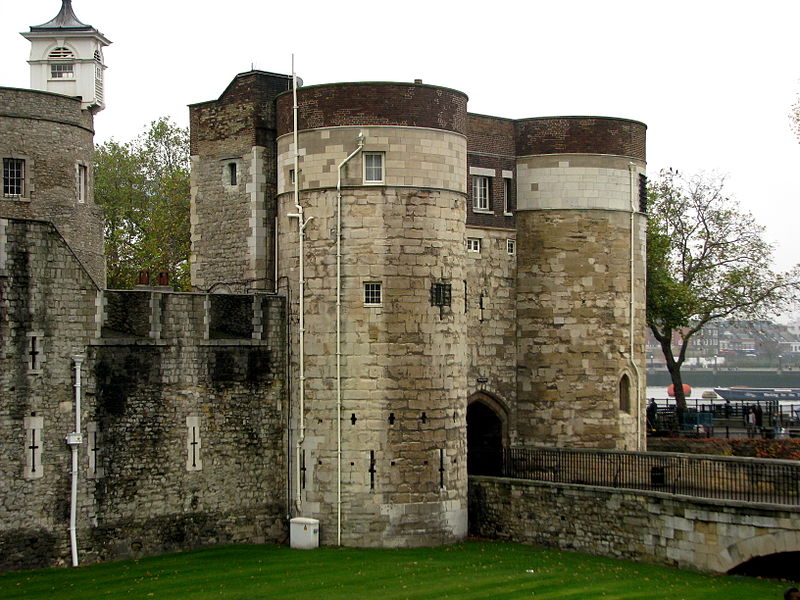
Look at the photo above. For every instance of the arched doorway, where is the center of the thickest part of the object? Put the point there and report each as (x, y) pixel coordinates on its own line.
(486, 434)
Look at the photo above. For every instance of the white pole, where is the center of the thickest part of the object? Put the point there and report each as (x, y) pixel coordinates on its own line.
(339, 340)
(74, 440)
(301, 226)
(631, 333)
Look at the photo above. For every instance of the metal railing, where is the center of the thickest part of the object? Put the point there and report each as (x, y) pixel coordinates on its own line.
(730, 478)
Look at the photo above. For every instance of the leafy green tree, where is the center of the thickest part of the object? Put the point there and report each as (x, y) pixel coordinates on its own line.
(143, 188)
(706, 260)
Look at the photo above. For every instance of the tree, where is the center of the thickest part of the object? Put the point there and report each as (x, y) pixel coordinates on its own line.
(143, 188)
(706, 260)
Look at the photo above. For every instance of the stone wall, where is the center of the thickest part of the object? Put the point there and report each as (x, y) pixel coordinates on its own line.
(655, 527)
(403, 396)
(47, 306)
(183, 411)
(490, 310)
(575, 333)
(54, 137)
(232, 223)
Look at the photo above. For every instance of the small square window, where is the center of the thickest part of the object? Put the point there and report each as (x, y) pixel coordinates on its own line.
(372, 293)
(473, 244)
(480, 192)
(373, 167)
(13, 177)
(511, 246)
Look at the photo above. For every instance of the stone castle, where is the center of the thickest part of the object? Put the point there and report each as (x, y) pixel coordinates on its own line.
(389, 290)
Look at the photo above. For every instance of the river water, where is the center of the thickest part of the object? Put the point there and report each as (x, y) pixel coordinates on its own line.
(790, 409)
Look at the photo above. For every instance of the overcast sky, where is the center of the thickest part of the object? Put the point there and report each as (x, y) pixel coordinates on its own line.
(713, 81)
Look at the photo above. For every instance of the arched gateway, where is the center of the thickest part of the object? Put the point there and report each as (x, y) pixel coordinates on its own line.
(487, 434)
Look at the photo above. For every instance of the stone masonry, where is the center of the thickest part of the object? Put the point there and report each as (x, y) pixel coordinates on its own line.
(656, 527)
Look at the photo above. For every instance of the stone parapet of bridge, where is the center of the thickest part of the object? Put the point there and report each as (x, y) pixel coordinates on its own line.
(709, 535)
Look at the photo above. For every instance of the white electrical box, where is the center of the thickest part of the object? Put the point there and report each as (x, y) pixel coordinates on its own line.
(304, 533)
(74, 439)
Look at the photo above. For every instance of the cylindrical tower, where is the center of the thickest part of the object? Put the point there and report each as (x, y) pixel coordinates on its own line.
(382, 452)
(581, 282)
(47, 148)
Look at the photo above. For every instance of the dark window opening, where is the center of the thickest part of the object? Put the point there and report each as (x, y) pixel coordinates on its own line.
(233, 174)
(625, 393)
(441, 294)
(642, 193)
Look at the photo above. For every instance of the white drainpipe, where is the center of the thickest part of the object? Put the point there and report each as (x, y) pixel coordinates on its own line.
(634, 179)
(301, 227)
(339, 339)
(74, 440)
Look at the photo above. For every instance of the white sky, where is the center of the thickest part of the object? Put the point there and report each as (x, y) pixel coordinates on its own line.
(714, 81)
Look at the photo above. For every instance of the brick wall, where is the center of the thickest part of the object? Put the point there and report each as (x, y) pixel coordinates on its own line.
(580, 135)
(408, 105)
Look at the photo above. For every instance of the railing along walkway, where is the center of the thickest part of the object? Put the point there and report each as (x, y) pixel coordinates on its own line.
(731, 478)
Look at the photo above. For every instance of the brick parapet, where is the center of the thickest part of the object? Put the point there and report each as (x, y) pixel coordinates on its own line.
(374, 103)
(580, 135)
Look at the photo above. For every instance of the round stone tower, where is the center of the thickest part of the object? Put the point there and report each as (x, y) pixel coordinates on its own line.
(381, 450)
(47, 146)
(581, 281)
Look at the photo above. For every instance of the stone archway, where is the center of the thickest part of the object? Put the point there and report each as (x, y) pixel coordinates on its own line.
(486, 435)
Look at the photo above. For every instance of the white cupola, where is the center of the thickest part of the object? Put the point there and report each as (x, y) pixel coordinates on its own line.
(67, 58)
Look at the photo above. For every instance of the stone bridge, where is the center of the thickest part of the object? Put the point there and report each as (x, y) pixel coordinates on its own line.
(711, 535)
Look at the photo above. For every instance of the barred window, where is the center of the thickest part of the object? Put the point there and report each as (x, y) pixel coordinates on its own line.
(372, 293)
(642, 193)
(441, 294)
(13, 177)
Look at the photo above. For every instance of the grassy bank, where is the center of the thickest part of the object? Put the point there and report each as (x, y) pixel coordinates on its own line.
(471, 570)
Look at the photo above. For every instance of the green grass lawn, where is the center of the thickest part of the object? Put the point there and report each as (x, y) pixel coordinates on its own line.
(475, 569)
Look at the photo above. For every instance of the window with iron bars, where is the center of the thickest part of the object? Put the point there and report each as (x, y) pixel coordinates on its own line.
(642, 193)
(441, 294)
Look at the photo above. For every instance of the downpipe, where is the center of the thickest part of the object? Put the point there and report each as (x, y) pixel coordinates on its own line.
(74, 440)
(632, 309)
(339, 338)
